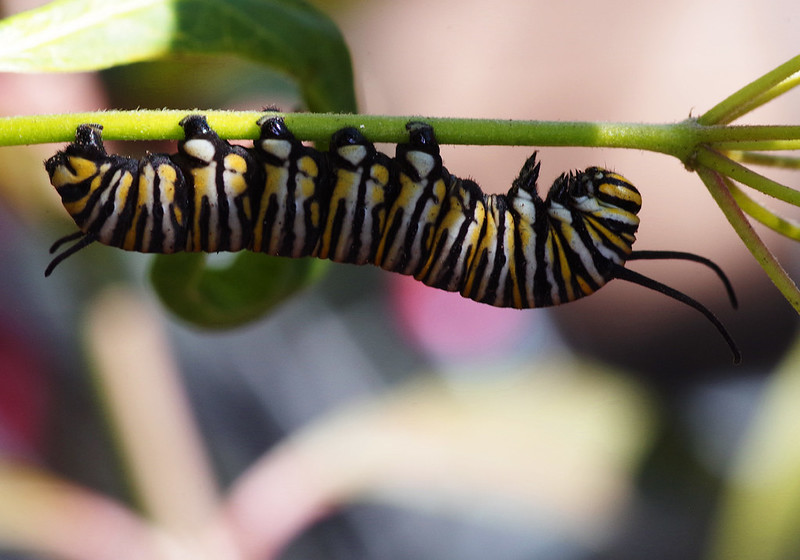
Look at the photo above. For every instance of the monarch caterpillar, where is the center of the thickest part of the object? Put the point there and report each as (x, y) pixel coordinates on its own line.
(353, 204)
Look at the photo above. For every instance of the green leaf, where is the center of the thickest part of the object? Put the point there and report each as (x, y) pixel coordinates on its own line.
(82, 35)
(288, 35)
(226, 297)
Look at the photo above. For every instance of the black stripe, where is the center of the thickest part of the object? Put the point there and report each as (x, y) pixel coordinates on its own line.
(627, 205)
(337, 223)
(205, 213)
(223, 203)
(268, 221)
(156, 237)
(322, 195)
(601, 262)
(358, 214)
(576, 264)
(499, 262)
(157, 234)
(286, 233)
(392, 227)
(479, 270)
(312, 233)
(520, 262)
(416, 240)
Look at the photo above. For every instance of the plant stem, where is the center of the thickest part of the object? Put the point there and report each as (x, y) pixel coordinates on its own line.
(677, 139)
(766, 160)
(764, 97)
(788, 228)
(706, 157)
(158, 125)
(718, 188)
(758, 145)
(733, 137)
(753, 94)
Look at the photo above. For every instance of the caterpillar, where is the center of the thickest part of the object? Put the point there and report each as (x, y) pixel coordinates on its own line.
(354, 204)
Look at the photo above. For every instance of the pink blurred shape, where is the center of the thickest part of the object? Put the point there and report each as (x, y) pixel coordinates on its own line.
(451, 327)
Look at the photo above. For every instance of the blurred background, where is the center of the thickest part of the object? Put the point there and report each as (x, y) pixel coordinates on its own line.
(361, 334)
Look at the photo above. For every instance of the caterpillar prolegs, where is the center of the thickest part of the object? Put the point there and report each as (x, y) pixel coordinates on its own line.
(353, 204)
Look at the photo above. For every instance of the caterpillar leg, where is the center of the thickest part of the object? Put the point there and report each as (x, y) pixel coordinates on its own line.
(71, 172)
(293, 207)
(412, 215)
(456, 237)
(137, 205)
(361, 188)
(221, 180)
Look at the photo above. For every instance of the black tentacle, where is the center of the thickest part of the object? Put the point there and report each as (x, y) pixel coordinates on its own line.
(664, 255)
(628, 275)
(84, 241)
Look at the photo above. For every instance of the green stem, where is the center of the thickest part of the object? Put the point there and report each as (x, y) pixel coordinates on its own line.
(677, 139)
(753, 94)
(732, 137)
(777, 90)
(716, 185)
(761, 99)
(758, 145)
(152, 125)
(788, 228)
(766, 160)
(706, 157)
(118, 125)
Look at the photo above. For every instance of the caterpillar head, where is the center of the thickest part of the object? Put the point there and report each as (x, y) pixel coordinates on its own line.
(603, 202)
(69, 169)
(601, 207)
(599, 193)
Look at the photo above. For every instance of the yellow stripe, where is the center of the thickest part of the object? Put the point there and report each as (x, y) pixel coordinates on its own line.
(84, 168)
(146, 177)
(511, 261)
(380, 174)
(614, 238)
(168, 179)
(346, 183)
(624, 192)
(308, 166)
(566, 269)
(204, 181)
(489, 237)
(585, 287)
(381, 250)
(277, 180)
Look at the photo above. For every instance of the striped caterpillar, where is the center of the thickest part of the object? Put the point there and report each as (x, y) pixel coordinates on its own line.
(353, 204)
